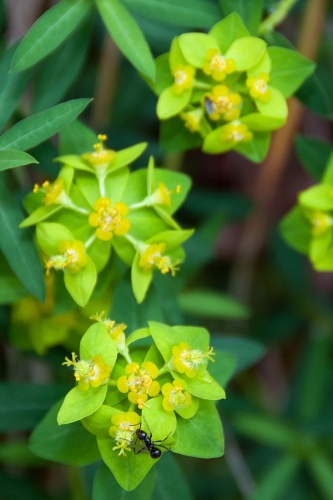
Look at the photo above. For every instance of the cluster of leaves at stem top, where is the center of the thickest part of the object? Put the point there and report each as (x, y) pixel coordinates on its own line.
(139, 402)
(225, 90)
(308, 227)
(96, 206)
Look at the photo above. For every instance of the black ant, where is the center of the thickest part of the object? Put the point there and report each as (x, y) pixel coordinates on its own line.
(150, 445)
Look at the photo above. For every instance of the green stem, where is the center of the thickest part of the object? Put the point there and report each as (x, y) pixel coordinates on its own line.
(77, 209)
(112, 382)
(132, 240)
(143, 203)
(90, 241)
(126, 355)
(276, 17)
(201, 85)
(163, 370)
(101, 180)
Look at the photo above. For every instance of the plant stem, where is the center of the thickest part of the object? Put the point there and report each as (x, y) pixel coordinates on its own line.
(277, 16)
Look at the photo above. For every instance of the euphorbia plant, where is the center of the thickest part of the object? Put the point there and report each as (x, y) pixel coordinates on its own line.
(162, 389)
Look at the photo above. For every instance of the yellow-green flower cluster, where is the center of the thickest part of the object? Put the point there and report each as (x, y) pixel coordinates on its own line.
(97, 206)
(142, 401)
(308, 227)
(223, 87)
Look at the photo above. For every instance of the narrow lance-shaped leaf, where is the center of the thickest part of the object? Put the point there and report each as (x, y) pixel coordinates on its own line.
(127, 35)
(11, 86)
(199, 13)
(49, 31)
(37, 128)
(10, 158)
(18, 247)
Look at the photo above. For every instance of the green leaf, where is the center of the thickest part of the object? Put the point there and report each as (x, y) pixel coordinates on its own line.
(289, 69)
(18, 247)
(245, 351)
(249, 12)
(200, 436)
(274, 483)
(50, 234)
(246, 52)
(209, 304)
(81, 285)
(49, 31)
(96, 341)
(79, 404)
(175, 137)
(37, 128)
(23, 405)
(187, 13)
(194, 47)
(314, 154)
(318, 197)
(10, 158)
(128, 470)
(228, 30)
(76, 139)
(313, 95)
(255, 150)
(296, 230)
(140, 279)
(105, 482)
(266, 430)
(11, 86)
(127, 35)
(170, 481)
(68, 444)
(322, 471)
(170, 104)
(71, 56)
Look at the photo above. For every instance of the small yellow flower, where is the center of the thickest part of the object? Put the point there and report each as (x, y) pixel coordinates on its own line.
(320, 222)
(54, 192)
(162, 195)
(72, 257)
(235, 133)
(108, 219)
(192, 119)
(152, 256)
(188, 361)
(101, 157)
(116, 331)
(222, 103)
(123, 430)
(89, 373)
(258, 87)
(175, 397)
(139, 382)
(217, 65)
(183, 78)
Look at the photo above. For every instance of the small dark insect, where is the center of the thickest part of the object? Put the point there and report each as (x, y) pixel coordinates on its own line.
(152, 446)
(209, 105)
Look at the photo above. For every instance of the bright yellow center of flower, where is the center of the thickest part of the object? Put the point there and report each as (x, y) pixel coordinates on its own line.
(217, 65)
(162, 195)
(72, 257)
(123, 430)
(183, 78)
(139, 382)
(188, 361)
(101, 157)
(108, 219)
(54, 192)
(258, 87)
(175, 397)
(235, 132)
(153, 256)
(320, 223)
(222, 103)
(89, 373)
